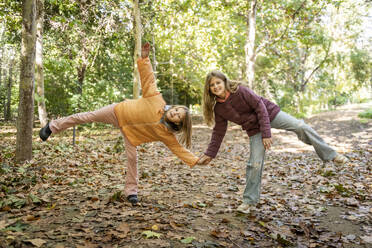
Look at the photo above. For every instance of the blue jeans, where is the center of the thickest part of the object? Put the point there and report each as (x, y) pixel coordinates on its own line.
(255, 164)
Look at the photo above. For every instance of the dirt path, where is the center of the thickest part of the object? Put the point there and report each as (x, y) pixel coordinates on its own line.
(71, 196)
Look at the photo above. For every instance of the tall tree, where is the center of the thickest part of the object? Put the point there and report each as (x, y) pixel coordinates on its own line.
(268, 35)
(39, 73)
(137, 47)
(250, 53)
(2, 86)
(26, 87)
(7, 109)
(2, 98)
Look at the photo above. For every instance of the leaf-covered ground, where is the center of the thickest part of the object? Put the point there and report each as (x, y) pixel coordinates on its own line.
(71, 196)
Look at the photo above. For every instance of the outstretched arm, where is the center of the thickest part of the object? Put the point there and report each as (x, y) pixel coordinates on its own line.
(182, 153)
(218, 134)
(148, 83)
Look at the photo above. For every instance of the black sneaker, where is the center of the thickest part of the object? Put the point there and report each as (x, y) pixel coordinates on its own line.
(133, 199)
(45, 132)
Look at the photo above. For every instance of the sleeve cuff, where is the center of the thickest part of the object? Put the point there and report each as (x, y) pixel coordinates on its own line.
(210, 155)
(266, 135)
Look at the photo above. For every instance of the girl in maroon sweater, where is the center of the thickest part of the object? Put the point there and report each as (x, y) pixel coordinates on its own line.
(226, 100)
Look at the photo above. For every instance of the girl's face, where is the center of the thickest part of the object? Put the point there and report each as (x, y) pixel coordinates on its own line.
(176, 115)
(217, 87)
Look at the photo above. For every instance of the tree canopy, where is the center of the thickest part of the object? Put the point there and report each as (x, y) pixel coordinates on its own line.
(311, 55)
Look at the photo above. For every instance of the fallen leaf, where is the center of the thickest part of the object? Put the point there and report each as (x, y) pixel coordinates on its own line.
(37, 242)
(3, 224)
(367, 239)
(174, 225)
(187, 240)
(151, 234)
(219, 233)
(123, 227)
(31, 218)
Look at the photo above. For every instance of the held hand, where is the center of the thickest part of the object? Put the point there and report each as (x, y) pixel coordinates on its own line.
(145, 50)
(204, 160)
(267, 142)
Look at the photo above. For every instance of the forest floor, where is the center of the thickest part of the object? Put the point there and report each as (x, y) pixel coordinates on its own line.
(71, 196)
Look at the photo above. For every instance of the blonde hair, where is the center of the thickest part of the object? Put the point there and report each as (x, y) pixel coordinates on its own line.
(185, 127)
(209, 99)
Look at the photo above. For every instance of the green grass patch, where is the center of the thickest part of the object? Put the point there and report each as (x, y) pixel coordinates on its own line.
(366, 114)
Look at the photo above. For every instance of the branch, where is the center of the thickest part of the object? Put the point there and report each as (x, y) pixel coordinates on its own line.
(271, 42)
(302, 63)
(316, 68)
(99, 32)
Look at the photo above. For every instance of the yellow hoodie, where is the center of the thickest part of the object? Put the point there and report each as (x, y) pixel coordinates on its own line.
(140, 118)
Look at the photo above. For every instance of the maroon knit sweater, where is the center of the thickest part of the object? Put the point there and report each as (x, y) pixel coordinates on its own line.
(254, 113)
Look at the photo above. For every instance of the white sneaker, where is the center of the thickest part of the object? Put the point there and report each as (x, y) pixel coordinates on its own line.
(340, 159)
(244, 208)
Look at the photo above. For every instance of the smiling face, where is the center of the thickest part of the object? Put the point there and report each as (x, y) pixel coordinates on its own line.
(176, 115)
(217, 87)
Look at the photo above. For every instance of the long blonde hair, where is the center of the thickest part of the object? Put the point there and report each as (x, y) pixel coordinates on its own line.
(209, 99)
(185, 127)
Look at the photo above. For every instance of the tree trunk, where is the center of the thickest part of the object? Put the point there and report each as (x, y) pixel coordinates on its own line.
(153, 54)
(1, 66)
(81, 75)
(250, 53)
(2, 98)
(39, 73)
(7, 112)
(137, 48)
(26, 84)
(172, 72)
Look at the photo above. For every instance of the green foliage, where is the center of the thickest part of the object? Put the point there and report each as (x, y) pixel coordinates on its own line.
(312, 59)
(361, 64)
(342, 190)
(187, 240)
(11, 18)
(13, 201)
(366, 114)
(117, 196)
(338, 100)
(18, 226)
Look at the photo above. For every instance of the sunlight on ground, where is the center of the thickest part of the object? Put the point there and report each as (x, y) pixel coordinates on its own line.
(8, 129)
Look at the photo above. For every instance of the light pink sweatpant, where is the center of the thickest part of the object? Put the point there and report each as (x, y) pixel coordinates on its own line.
(104, 115)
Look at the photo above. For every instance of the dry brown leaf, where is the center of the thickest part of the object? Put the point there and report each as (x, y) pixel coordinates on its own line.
(3, 224)
(37, 242)
(174, 225)
(124, 228)
(32, 218)
(219, 233)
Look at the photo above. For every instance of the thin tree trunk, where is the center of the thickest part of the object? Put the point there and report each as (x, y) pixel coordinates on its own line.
(172, 71)
(153, 54)
(39, 73)
(1, 66)
(26, 85)
(81, 75)
(137, 48)
(250, 53)
(2, 98)
(7, 112)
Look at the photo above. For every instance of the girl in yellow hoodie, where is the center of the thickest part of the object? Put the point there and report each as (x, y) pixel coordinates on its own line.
(140, 120)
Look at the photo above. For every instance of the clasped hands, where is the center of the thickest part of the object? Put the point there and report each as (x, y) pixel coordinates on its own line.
(204, 160)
